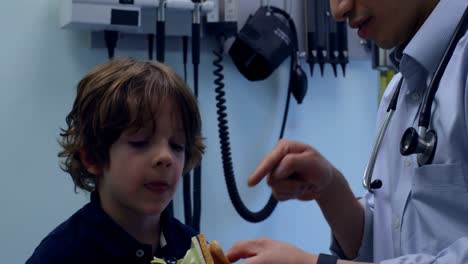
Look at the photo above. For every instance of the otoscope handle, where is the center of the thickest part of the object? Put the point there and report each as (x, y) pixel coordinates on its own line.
(196, 43)
(160, 40)
(342, 33)
(312, 50)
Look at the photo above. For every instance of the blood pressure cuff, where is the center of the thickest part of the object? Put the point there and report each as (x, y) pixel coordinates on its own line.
(261, 45)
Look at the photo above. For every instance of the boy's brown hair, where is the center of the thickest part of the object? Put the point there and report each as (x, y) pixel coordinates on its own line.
(121, 95)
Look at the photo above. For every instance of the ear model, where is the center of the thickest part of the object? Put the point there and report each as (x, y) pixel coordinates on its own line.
(212, 253)
(200, 252)
(217, 253)
(203, 248)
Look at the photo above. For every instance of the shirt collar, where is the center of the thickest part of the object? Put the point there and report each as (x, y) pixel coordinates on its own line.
(124, 241)
(428, 45)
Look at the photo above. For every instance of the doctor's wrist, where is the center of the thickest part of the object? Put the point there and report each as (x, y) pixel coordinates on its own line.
(335, 186)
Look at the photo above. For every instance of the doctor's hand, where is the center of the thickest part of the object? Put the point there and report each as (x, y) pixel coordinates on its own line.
(267, 251)
(294, 170)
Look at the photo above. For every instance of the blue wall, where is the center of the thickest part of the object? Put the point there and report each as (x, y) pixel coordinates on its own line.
(40, 65)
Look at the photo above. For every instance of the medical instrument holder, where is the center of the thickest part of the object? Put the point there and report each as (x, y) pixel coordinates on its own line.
(134, 21)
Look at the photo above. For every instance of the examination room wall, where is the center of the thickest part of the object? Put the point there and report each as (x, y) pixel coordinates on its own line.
(40, 65)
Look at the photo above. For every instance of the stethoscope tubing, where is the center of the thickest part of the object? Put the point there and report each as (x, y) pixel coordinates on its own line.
(425, 115)
(366, 181)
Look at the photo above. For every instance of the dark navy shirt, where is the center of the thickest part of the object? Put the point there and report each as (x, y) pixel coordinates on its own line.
(91, 236)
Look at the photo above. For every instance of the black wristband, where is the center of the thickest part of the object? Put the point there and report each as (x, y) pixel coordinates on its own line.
(326, 259)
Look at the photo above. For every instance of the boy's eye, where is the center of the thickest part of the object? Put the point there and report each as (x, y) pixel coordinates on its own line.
(138, 143)
(177, 147)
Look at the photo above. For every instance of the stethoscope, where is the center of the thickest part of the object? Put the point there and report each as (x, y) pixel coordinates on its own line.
(422, 142)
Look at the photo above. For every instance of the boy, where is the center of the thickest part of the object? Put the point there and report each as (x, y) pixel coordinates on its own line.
(134, 129)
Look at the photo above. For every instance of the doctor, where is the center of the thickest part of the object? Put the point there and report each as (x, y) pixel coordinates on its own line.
(420, 214)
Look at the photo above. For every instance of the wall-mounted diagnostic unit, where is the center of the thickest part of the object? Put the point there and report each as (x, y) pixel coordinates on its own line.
(129, 16)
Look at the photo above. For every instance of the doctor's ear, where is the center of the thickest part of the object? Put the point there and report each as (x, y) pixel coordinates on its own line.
(91, 166)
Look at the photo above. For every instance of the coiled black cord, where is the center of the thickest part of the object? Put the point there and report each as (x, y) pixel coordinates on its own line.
(223, 130)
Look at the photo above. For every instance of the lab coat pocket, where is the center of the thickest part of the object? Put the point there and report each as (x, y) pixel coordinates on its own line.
(440, 177)
(439, 189)
(436, 212)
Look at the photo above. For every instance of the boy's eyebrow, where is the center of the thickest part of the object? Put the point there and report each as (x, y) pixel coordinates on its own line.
(180, 130)
(134, 133)
(137, 130)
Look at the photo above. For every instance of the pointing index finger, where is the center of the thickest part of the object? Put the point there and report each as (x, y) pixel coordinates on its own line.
(265, 167)
(272, 159)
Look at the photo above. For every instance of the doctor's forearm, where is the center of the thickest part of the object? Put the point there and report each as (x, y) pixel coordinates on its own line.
(344, 214)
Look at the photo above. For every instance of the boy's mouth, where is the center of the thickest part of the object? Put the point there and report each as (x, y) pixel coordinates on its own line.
(157, 186)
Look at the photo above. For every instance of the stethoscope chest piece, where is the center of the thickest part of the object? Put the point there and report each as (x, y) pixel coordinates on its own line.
(424, 144)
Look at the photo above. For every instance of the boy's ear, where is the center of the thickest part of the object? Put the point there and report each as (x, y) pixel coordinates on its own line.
(90, 165)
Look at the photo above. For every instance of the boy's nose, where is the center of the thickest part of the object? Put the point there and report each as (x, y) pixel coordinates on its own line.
(341, 9)
(162, 158)
(163, 163)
